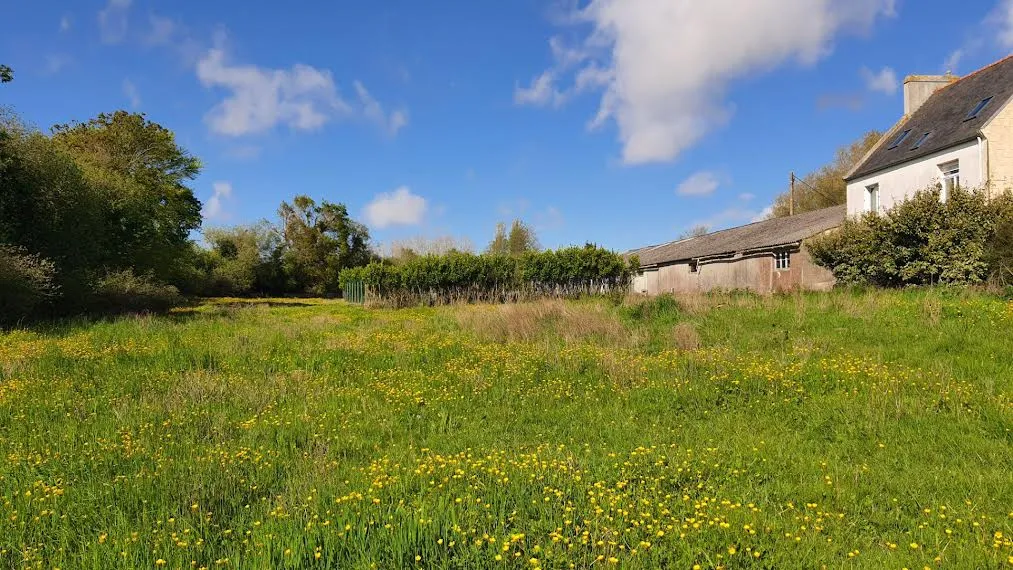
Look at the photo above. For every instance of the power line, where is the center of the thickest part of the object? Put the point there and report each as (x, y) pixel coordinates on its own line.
(811, 187)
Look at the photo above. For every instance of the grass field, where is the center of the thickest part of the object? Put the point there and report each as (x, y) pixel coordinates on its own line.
(849, 430)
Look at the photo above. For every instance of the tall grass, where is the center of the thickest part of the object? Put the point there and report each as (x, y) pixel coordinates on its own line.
(846, 430)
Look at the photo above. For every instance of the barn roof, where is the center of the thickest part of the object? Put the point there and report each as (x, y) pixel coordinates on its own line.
(765, 234)
(945, 117)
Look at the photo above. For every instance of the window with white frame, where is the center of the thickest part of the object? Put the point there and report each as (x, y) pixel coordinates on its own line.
(782, 260)
(872, 198)
(950, 177)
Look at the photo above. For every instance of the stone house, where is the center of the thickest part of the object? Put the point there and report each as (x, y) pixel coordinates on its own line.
(953, 131)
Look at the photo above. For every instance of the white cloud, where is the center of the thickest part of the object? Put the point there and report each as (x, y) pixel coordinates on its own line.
(302, 98)
(1004, 17)
(162, 30)
(130, 90)
(542, 91)
(665, 66)
(746, 196)
(112, 21)
(885, 81)
(763, 214)
(374, 112)
(514, 208)
(215, 207)
(549, 219)
(65, 23)
(952, 61)
(700, 184)
(56, 62)
(398, 208)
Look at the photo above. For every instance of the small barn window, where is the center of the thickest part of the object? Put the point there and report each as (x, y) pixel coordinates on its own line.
(782, 260)
(694, 266)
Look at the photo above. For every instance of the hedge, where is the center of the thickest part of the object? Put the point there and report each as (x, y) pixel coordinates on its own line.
(465, 277)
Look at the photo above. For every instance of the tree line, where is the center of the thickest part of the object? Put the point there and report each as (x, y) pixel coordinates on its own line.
(101, 216)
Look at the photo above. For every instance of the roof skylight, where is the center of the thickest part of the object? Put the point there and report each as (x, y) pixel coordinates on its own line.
(978, 108)
(921, 140)
(899, 139)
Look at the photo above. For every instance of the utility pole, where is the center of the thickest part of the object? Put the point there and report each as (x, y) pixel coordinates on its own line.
(791, 196)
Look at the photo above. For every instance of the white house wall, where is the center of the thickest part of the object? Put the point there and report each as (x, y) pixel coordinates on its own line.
(900, 182)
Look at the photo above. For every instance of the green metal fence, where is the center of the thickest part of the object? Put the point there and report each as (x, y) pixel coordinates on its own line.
(355, 292)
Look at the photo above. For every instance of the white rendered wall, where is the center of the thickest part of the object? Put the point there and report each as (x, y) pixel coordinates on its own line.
(900, 182)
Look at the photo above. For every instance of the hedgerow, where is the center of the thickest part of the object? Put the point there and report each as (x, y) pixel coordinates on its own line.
(963, 240)
(465, 277)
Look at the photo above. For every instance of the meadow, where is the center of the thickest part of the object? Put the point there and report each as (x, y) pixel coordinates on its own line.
(843, 430)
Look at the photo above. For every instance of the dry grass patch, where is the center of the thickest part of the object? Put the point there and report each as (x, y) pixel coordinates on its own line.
(685, 337)
(526, 322)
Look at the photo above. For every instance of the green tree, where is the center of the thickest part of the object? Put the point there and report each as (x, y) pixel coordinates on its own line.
(246, 260)
(519, 240)
(522, 238)
(143, 175)
(47, 207)
(6, 74)
(500, 244)
(825, 187)
(320, 241)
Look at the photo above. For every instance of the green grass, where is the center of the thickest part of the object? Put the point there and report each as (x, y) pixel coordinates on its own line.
(844, 430)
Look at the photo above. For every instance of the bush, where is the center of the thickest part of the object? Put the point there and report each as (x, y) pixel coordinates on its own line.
(26, 283)
(123, 291)
(921, 241)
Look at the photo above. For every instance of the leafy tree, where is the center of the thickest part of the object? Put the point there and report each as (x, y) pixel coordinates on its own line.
(142, 175)
(6, 74)
(27, 281)
(500, 244)
(521, 239)
(47, 207)
(825, 187)
(246, 260)
(320, 241)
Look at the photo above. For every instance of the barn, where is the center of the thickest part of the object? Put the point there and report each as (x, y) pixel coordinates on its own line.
(765, 256)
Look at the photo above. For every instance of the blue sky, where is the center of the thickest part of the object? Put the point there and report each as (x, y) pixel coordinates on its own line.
(622, 122)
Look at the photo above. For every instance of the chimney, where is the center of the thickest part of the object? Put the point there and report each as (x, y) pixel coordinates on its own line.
(918, 89)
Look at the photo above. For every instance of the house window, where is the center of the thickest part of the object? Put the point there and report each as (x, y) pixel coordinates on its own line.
(782, 260)
(694, 266)
(950, 176)
(978, 108)
(872, 198)
(899, 139)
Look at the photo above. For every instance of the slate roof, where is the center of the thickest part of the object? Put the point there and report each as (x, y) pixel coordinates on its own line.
(766, 234)
(943, 115)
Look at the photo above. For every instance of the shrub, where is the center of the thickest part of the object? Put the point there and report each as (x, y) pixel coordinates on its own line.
(123, 291)
(921, 241)
(26, 282)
